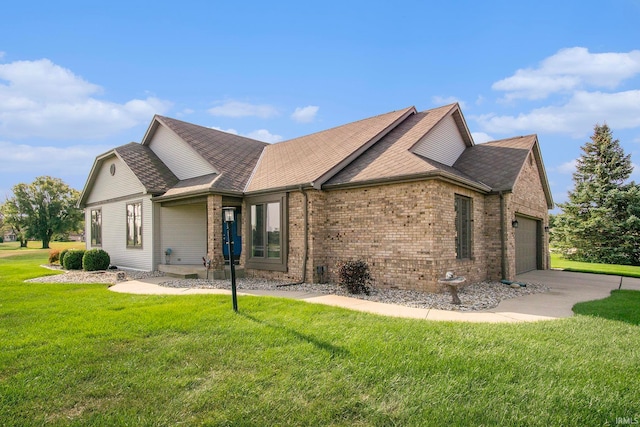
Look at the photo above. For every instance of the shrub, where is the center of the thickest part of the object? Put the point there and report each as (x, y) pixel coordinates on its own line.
(73, 259)
(95, 259)
(54, 256)
(61, 257)
(354, 275)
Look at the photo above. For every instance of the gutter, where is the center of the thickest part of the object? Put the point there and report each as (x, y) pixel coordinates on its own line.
(437, 174)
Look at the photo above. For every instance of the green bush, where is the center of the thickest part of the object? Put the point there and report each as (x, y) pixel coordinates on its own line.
(61, 257)
(54, 256)
(354, 275)
(95, 259)
(73, 259)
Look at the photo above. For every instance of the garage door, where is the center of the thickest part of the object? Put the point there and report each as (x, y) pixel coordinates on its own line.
(526, 245)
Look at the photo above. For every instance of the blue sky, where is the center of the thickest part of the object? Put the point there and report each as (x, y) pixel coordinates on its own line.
(78, 79)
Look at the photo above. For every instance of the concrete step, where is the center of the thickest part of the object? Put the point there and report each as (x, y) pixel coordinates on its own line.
(199, 272)
(183, 271)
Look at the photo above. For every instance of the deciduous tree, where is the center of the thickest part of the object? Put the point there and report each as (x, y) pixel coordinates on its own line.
(43, 208)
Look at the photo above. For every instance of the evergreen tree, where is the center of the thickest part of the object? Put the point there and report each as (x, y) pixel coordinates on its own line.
(601, 220)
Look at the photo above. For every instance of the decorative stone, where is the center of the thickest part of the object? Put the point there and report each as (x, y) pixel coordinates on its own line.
(515, 286)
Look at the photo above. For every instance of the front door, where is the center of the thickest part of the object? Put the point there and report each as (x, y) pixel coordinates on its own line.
(236, 236)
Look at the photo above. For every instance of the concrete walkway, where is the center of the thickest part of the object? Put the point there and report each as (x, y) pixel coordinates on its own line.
(567, 289)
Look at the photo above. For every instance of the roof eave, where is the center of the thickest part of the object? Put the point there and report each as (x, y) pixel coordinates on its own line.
(445, 176)
(92, 177)
(151, 130)
(537, 153)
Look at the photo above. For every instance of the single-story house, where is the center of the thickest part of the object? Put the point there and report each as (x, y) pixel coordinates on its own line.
(409, 192)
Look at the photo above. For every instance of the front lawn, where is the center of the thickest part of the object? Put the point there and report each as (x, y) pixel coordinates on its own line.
(35, 246)
(557, 261)
(83, 355)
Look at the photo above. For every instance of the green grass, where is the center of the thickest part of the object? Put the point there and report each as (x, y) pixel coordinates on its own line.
(83, 355)
(33, 246)
(622, 305)
(557, 261)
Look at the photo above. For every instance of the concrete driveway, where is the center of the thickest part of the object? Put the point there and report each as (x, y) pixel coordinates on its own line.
(567, 289)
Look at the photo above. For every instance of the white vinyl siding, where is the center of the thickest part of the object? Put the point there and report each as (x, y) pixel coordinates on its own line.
(183, 160)
(184, 230)
(114, 237)
(122, 183)
(443, 144)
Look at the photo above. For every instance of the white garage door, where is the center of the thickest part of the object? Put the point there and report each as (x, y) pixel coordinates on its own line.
(526, 245)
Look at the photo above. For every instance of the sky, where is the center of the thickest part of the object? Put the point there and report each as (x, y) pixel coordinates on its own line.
(78, 79)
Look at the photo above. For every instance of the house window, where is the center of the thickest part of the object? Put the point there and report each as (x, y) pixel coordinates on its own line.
(267, 233)
(96, 227)
(134, 225)
(464, 221)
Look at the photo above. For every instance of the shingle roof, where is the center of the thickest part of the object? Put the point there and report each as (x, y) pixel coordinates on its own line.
(310, 158)
(496, 163)
(377, 149)
(391, 157)
(233, 155)
(154, 175)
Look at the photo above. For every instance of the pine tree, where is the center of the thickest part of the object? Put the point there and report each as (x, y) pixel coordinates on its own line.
(601, 220)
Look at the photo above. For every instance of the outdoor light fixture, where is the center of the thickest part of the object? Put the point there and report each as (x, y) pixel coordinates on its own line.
(229, 214)
(514, 223)
(229, 218)
(546, 229)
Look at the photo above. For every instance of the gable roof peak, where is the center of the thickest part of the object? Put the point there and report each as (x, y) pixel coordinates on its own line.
(313, 159)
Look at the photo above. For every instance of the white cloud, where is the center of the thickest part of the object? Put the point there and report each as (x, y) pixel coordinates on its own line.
(260, 134)
(480, 137)
(2, 54)
(237, 109)
(264, 135)
(49, 160)
(571, 69)
(567, 167)
(230, 130)
(305, 114)
(445, 100)
(635, 171)
(185, 112)
(42, 99)
(577, 117)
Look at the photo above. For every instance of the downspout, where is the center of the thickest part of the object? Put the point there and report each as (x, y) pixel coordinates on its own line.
(503, 264)
(305, 213)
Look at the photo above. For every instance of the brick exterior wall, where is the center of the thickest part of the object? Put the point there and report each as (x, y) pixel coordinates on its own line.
(527, 199)
(214, 231)
(406, 231)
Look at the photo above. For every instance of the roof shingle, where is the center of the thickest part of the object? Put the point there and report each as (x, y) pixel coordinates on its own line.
(153, 174)
(496, 163)
(305, 159)
(233, 155)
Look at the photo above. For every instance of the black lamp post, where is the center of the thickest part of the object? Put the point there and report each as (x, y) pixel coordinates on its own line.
(229, 218)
